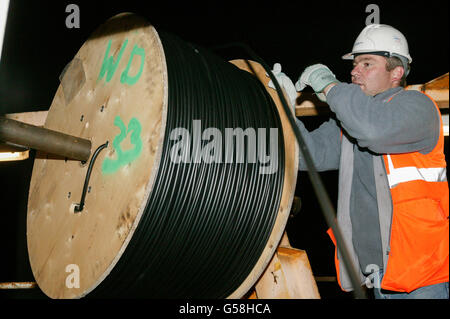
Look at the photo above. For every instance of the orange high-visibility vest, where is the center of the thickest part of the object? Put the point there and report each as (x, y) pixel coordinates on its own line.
(419, 238)
(419, 243)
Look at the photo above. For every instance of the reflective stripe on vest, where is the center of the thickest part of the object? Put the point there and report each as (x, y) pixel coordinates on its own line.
(407, 174)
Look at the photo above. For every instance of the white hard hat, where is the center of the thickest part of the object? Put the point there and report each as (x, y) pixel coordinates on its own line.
(380, 39)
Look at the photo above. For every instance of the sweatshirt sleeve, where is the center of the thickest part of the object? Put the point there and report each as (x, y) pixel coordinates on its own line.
(323, 144)
(409, 122)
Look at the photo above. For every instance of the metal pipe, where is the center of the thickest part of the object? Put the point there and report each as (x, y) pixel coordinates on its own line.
(45, 140)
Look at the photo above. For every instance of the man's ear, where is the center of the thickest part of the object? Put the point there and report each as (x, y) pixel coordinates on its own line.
(397, 74)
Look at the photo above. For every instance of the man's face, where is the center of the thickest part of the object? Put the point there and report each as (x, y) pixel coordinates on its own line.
(369, 72)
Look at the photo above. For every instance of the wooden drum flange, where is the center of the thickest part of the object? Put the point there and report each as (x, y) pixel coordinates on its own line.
(117, 92)
(290, 179)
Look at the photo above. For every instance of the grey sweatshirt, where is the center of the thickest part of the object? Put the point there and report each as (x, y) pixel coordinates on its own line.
(409, 122)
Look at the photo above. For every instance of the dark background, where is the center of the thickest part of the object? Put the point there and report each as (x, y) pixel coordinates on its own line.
(38, 45)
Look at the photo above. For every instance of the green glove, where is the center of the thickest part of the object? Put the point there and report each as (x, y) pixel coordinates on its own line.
(317, 76)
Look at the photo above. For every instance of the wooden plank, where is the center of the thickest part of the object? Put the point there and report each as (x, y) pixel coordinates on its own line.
(307, 104)
(7, 154)
(33, 118)
(300, 280)
(272, 284)
(437, 89)
(288, 275)
(18, 285)
(325, 279)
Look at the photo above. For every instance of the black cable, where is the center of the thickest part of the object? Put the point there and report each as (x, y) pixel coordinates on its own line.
(321, 193)
(79, 207)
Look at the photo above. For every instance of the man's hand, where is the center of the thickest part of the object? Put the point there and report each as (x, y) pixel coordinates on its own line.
(285, 83)
(317, 76)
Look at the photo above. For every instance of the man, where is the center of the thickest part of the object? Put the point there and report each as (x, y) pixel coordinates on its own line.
(388, 146)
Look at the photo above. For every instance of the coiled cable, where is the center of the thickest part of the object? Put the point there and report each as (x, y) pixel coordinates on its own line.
(205, 224)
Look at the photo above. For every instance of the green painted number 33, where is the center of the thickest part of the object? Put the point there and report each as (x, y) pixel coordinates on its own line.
(109, 165)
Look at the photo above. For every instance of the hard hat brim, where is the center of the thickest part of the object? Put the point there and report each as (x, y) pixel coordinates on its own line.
(351, 55)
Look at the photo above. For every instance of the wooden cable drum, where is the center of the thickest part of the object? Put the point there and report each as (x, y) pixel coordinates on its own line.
(167, 213)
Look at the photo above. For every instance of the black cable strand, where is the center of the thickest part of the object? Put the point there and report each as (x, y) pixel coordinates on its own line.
(80, 206)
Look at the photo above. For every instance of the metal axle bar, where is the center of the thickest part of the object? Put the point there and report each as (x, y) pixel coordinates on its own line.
(45, 140)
